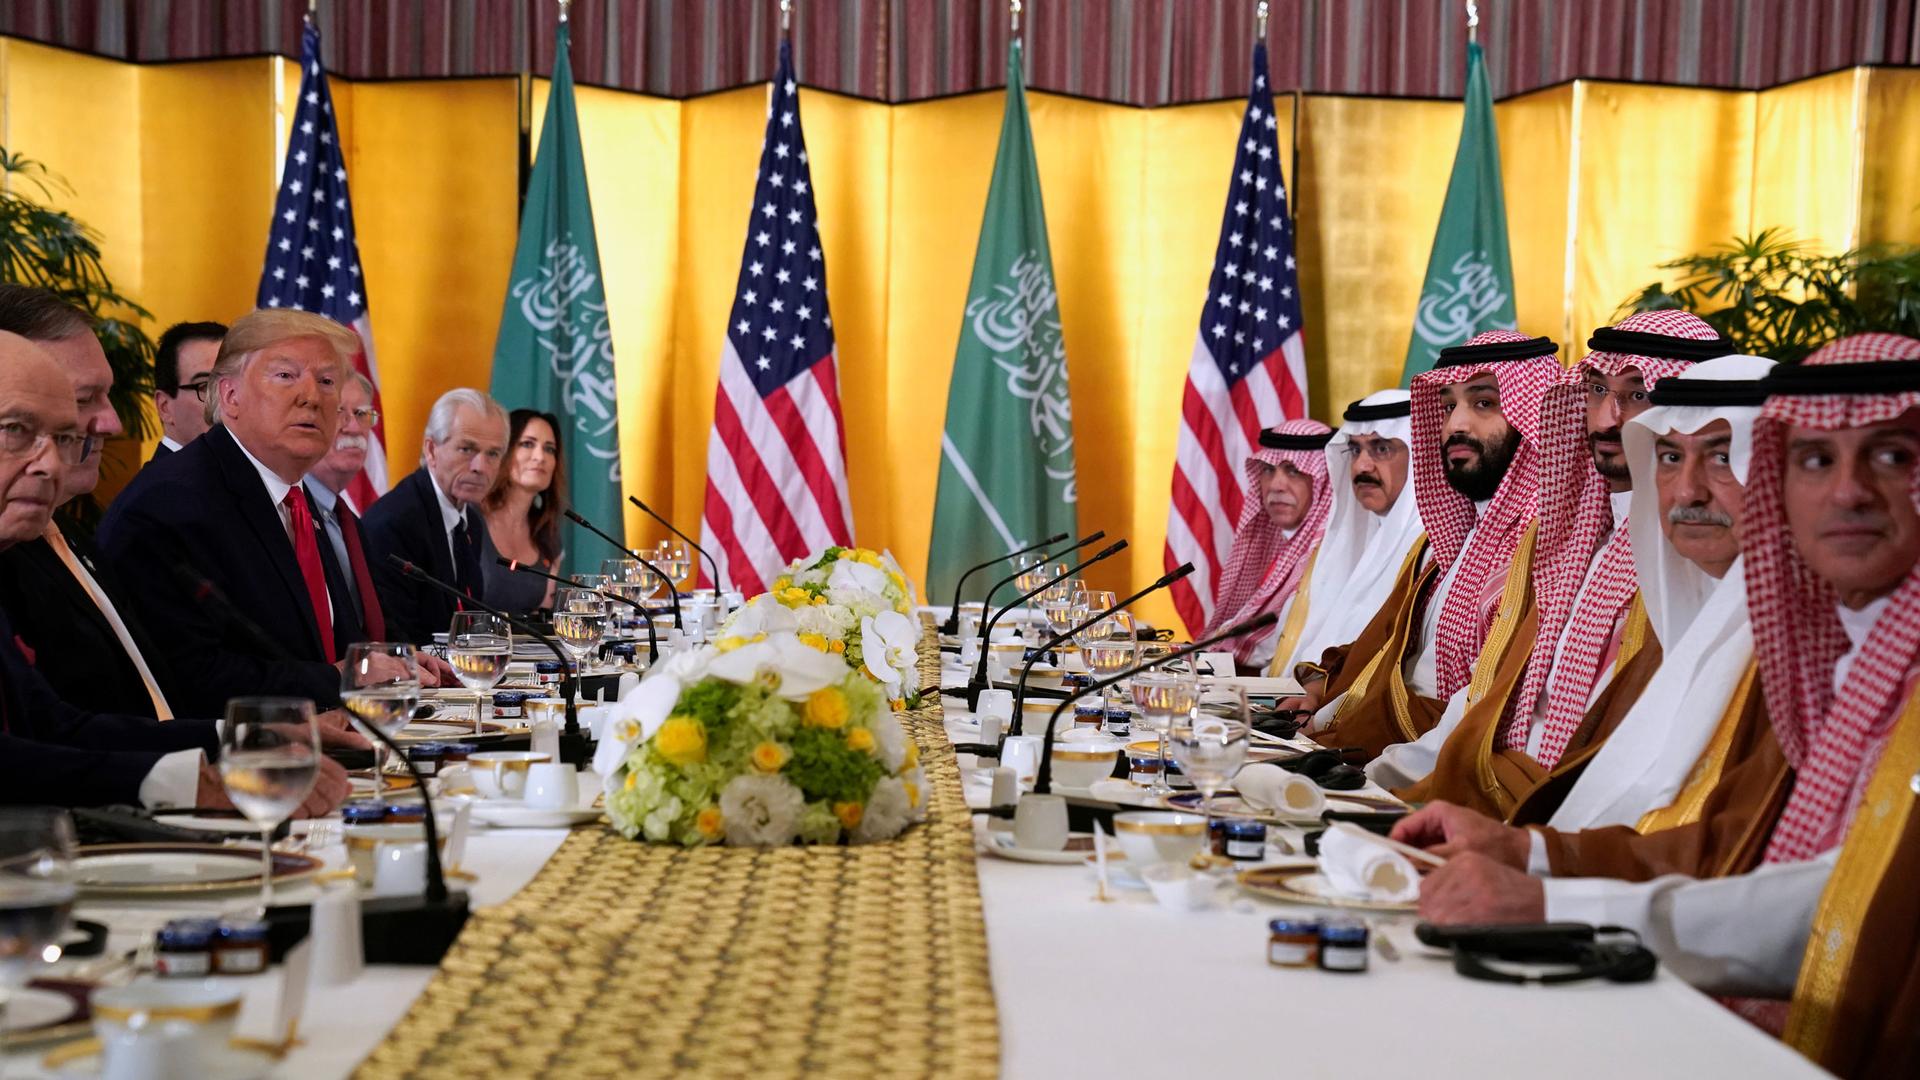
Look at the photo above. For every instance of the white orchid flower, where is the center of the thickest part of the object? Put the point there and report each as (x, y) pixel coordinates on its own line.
(887, 644)
(848, 574)
(796, 670)
(634, 718)
(763, 615)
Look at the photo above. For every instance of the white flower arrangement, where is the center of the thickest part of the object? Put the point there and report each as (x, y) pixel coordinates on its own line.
(849, 602)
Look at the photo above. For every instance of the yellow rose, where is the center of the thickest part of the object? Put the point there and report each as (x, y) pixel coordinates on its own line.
(860, 739)
(633, 780)
(897, 704)
(814, 641)
(849, 813)
(734, 641)
(681, 740)
(782, 582)
(837, 647)
(768, 757)
(794, 597)
(710, 823)
(868, 557)
(826, 708)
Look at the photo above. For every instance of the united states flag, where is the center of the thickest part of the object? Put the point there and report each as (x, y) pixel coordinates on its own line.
(313, 262)
(1249, 363)
(776, 461)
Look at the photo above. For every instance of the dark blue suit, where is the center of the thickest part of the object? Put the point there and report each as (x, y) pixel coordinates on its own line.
(58, 754)
(406, 522)
(206, 507)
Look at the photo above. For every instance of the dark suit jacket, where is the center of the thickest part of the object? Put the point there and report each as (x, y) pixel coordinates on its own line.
(206, 508)
(53, 753)
(406, 522)
(160, 452)
(67, 638)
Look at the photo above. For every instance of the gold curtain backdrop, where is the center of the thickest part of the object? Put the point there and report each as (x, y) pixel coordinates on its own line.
(177, 165)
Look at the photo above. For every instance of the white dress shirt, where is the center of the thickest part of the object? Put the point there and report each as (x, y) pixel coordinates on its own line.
(451, 515)
(168, 442)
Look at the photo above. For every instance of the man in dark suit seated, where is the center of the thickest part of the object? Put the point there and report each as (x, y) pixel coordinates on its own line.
(62, 603)
(182, 366)
(52, 751)
(432, 518)
(229, 510)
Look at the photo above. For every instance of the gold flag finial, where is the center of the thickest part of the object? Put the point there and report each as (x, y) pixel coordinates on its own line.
(1013, 15)
(786, 15)
(1260, 19)
(564, 5)
(1473, 22)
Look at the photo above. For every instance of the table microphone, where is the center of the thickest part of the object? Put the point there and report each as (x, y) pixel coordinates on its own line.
(1042, 784)
(979, 680)
(986, 602)
(573, 745)
(1020, 688)
(653, 636)
(672, 593)
(398, 929)
(714, 566)
(952, 625)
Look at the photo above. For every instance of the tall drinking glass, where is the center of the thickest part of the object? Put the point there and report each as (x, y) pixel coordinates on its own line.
(269, 759)
(1164, 698)
(380, 688)
(36, 890)
(479, 648)
(1210, 750)
(580, 622)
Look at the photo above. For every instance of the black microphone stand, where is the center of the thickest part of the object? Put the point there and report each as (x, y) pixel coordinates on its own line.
(1020, 688)
(714, 566)
(986, 603)
(1042, 783)
(672, 593)
(574, 748)
(653, 636)
(952, 625)
(979, 680)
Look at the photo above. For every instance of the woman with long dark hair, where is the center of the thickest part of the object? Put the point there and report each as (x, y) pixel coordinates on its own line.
(523, 513)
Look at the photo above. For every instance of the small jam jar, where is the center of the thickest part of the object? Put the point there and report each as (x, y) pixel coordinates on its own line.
(1293, 943)
(509, 704)
(406, 813)
(1343, 945)
(623, 652)
(1119, 723)
(184, 948)
(1088, 712)
(1176, 779)
(363, 812)
(456, 753)
(547, 672)
(241, 948)
(1143, 769)
(427, 757)
(1246, 841)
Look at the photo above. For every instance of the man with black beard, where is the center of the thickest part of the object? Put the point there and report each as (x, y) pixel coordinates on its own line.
(1475, 429)
(1567, 661)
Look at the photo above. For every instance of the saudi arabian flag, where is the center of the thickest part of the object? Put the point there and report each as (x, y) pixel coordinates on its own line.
(1469, 284)
(1006, 457)
(555, 351)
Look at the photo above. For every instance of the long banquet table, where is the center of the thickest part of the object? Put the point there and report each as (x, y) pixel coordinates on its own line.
(1128, 988)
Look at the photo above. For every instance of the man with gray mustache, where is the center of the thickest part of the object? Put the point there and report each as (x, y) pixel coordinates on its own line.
(328, 481)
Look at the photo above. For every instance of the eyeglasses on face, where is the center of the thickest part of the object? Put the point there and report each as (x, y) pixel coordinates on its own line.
(21, 440)
(367, 415)
(1378, 449)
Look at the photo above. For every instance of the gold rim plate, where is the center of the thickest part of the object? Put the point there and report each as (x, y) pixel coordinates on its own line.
(287, 866)
(1289, 885)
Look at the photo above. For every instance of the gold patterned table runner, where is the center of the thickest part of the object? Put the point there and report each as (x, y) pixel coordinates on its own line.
(629, 959)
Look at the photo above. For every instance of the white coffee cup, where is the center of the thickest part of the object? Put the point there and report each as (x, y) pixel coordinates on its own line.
(1040, 822)
(338, 952)
(970, 653)
(552, 785)
(502, 774)
(997, 703)
(163, 1030)
(1021, 753)
(400, 869)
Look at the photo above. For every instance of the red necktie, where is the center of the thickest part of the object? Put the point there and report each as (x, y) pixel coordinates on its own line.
(306, 551)
(362, 580)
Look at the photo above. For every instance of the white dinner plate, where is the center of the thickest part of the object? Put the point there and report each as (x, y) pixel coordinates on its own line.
(1302, 885)
(235, 1063)
(30, 1007)
(162, 869)
(514, 814)
(1079, 846)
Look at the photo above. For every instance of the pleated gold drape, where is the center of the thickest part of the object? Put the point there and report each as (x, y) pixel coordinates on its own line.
(176, 166)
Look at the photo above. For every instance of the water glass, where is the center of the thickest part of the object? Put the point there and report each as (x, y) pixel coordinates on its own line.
(479, 648)
(380, 688)
(579, 621)
(1209, 750)
(1164, 698)
(36, 889)
(269, 759)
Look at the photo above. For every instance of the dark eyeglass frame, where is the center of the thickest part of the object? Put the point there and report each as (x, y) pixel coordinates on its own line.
(71, 447)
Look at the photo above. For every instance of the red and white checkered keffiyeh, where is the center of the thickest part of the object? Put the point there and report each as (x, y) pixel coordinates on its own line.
(1832, 741)
(1486, 546)
(1265, 565)
(1575, 514)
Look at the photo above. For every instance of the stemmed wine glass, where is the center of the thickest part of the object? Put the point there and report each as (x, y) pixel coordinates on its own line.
(1108, 645)
(269, 759)
(380, 688)
(479, 648)
(1162, 696)
(1210, 750)
(671, 558)
(36, 889)
(579, 621)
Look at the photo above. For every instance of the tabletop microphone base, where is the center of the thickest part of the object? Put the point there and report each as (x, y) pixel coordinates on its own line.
(393, 929)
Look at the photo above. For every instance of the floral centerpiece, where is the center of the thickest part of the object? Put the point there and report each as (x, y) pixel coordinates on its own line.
(851, 603)
(759, 740)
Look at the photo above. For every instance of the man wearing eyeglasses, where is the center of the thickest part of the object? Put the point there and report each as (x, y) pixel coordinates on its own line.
(432, 517)
(182, 370)
(327, 483)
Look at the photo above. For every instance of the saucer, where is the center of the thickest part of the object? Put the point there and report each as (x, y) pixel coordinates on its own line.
(1079, 847)
(515, 814)
(85, 1059)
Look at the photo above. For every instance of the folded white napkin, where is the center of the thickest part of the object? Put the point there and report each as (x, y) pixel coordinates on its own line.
(1357, 865)
(1273, 789)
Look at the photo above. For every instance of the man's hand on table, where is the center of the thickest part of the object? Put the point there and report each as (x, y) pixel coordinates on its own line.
(1449, 831)
(1474, 889)
(435, 672)
(331, 787)
(1309, 702)
(337, 731)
